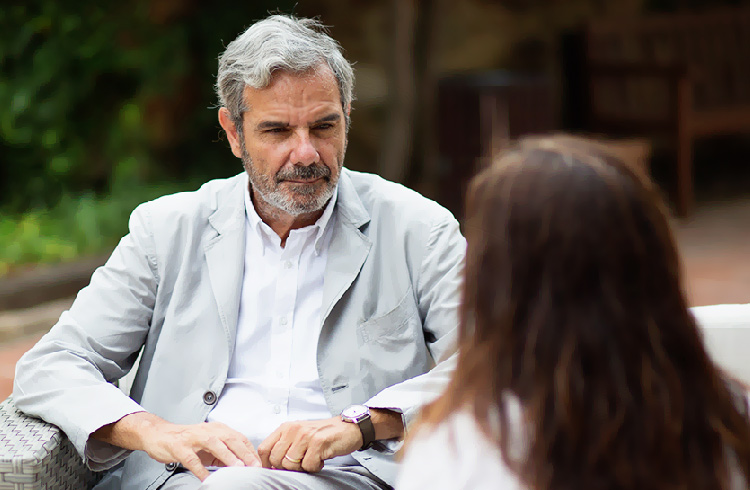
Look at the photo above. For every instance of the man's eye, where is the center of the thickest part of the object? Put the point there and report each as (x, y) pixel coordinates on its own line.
(323, 127)
(276, 130)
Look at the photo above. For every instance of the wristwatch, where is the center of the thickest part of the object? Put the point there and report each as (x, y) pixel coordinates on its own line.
(360, 415)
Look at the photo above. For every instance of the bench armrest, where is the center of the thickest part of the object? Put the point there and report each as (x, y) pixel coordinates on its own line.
(36, 455)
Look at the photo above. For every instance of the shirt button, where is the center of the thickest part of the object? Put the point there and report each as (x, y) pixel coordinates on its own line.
(171, 466)
(282, 320)
(288, 264)
(209, 398)
(276, 409)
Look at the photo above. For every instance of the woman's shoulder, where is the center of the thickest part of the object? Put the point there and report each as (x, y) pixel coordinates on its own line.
(454, 454)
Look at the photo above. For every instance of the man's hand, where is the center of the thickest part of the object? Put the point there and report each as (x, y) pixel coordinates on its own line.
(305, 445)
(194, 446)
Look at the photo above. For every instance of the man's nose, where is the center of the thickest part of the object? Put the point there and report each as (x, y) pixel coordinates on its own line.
(304, 151)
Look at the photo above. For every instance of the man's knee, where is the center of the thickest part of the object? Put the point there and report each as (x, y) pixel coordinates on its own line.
(238, 478)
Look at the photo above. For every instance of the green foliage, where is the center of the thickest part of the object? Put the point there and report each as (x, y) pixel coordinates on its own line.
(99, 98)
(76, 96)
(75, 226)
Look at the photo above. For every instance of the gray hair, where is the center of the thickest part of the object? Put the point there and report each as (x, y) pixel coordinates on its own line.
(279, 42)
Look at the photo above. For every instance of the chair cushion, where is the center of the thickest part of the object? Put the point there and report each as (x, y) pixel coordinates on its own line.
(726, 332)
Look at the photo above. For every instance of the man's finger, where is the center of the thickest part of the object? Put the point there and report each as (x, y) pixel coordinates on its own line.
(311, 463)
(244, 450)
(264, 450)
(192, 462)
(290, 461)
(251, 448)
(296, 452)
(237, 443)
(279, 450)
(219, 449)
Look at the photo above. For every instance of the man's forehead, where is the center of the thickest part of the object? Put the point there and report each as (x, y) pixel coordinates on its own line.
(294, 99)
(321, 76)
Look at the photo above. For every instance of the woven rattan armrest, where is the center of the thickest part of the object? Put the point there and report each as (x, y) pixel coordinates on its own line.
(35, 455)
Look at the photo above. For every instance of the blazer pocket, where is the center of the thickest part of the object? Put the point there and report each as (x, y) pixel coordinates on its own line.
(391, 347)
(390, 325)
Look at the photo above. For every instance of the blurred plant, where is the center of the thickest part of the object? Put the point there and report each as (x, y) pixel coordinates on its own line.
(95, 91)
(73, 227)
(74, 105)
(101, 98)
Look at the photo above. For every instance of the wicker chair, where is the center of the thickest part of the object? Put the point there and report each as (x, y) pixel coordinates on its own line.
(35, 455)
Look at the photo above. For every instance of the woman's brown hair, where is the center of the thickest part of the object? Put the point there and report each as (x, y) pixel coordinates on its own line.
(573, 303)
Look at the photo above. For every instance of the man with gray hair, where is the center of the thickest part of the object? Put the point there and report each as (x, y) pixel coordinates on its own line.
(290, 320)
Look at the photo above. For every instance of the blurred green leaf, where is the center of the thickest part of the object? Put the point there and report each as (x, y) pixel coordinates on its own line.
(130, 116)
(59, 165)
(105, 106)
(77, 225)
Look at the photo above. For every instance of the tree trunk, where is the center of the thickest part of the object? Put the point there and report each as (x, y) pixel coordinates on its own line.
(425, 171)
(397, 146)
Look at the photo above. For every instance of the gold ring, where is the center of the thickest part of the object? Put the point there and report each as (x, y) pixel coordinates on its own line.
(295, 461)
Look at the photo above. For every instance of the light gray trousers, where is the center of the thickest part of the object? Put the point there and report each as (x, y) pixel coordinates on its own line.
(247, 478)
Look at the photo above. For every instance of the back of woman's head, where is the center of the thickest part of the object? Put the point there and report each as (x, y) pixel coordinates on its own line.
(573, 303)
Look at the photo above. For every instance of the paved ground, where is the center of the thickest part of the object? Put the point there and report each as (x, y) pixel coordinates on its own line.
(9, 355)
(714, 243)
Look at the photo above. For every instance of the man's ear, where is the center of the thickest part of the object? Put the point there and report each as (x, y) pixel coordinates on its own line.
(227, 123)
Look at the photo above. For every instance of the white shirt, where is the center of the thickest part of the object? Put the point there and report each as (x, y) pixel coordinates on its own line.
(273, 375)
(456, 455)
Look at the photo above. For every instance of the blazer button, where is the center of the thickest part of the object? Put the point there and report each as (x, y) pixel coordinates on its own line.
(171, 466)
(209, 398)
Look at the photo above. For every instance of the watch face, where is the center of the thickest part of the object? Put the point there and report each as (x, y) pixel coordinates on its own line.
(355, 412)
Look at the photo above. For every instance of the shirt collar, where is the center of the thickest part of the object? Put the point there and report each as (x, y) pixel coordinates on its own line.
(256, 223)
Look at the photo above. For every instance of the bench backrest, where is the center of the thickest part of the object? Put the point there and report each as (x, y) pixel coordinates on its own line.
(726, 333)
(713, 47)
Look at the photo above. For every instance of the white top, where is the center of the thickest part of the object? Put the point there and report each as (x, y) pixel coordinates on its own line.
(456, 455)
(273, 374)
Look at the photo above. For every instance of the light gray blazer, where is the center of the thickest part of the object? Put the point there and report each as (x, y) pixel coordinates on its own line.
(172, 289)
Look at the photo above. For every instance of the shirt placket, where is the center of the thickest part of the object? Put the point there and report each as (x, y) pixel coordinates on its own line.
(283, 320)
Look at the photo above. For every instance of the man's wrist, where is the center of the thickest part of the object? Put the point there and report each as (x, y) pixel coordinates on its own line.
(359, 415)
(389, 424)
(128, 432)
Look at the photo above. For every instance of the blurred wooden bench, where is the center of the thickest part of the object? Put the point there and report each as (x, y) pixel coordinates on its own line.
(681, 76)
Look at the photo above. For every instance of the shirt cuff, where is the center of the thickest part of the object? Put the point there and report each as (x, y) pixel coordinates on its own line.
(390, 445)
(100, 455)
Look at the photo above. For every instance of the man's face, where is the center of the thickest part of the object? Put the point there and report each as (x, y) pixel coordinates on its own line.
(294, 140)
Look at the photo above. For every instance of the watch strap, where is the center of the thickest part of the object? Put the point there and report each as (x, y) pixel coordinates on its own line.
(368, 432)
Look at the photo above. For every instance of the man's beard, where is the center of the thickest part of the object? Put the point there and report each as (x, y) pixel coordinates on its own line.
(296, 199)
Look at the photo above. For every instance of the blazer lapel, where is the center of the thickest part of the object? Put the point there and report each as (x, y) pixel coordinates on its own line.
(348, 248)
(225, 256)
(225, 251)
